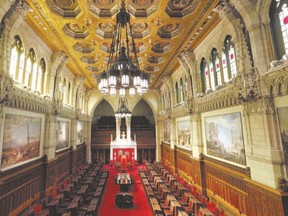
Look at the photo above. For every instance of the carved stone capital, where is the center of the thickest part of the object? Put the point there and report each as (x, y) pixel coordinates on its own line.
(22, 7)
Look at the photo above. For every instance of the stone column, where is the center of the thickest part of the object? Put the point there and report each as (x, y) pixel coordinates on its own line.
(87, 139)
(118, 124)
(197, 142)
(173, 133)
(263, 145)
(49, 147)
(128, 127)
(73, 134)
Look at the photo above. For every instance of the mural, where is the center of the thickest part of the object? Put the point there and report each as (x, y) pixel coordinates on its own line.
(80, 126)
(21, 139)
(224, 137)
(62, 134)
(283, 121)
(166, 131)
(183, 133)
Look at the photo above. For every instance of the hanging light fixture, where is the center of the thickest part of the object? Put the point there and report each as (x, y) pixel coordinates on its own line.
(122, 75)
(123, 110)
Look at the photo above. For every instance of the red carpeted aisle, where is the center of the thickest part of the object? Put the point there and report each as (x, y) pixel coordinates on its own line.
(141, 205)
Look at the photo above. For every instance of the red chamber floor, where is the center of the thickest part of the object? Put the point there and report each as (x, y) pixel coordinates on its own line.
(107, 206)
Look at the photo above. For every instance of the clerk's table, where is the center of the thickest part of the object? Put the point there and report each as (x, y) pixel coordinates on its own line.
(124, 180)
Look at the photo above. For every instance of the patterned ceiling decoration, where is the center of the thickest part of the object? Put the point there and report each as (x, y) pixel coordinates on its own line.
(155, 59)
(162, 47)
(151, 69)
(141, 30)
(83, 47)
(75, 30)
(105, 30)
(170, 30)
(103, 8)
(140, 47)
(142, 8)
(64, 8)
(89, 59)
(162, 30)
(105, 47)
(93, 68)
(181, 8)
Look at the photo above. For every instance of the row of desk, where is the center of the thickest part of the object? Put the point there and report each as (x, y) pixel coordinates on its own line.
(82, 195)
(159, 180)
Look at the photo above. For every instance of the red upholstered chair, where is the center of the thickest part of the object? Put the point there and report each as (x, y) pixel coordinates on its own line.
(37, 208)
(165, 204)
(211, 206)
(189, 208)
(169, 211)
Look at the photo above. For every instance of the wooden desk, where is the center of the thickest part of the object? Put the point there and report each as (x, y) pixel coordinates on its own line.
(82, 190)
(92, 207)
(72, 207)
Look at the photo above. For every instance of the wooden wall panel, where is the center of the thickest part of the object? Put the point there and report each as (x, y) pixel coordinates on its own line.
(227, 183)
(21, 186)
(184, 163)
(168, 155)
(264, 201)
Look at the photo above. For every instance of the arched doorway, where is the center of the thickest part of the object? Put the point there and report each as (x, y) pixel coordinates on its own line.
(103, 130)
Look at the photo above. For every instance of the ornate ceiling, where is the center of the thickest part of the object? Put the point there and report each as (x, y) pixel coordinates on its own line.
(83, 30)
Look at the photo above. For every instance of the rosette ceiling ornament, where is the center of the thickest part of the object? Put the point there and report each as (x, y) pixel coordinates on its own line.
(123, 74)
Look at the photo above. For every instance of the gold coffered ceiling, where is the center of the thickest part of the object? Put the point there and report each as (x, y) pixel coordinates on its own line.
(83, 30)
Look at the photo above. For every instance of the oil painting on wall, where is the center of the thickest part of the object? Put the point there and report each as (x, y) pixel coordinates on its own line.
(80, 126)
(62, 134)
(183, 133)
(283, 121)
(21, 139)
(166, 131)
(224, 137)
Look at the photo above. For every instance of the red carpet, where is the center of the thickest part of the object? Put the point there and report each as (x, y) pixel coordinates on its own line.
(141, 205)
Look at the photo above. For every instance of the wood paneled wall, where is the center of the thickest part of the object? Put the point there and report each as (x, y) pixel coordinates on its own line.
(188, 167)
(229, 186)
(21, 186)
(168, 155)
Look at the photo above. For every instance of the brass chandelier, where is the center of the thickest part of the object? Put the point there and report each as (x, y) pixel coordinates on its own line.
(123, 75)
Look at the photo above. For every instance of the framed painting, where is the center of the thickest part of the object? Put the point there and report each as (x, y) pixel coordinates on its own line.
(224, 137)
(283, 123)
(183, 132)
(21, 137)
(80, 127)
(62, 134)
(166, 131)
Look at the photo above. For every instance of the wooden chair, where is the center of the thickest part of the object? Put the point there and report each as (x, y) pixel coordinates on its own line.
(166, 203)
(169, 211)
(184, 200)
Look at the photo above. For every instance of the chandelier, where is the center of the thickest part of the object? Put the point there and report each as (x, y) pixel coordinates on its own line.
(123, 110)
(122, 74)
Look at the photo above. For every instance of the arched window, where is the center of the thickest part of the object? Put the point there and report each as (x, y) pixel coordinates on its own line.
(204, 73)
(191, 84)
(163, 102)
(41, 75)
(215, 72)
(279, 26)
(65, 91)
(176, 93)
(17, 50)
(30, 68)
(228, 59)
(69, 93)
(181, 90)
